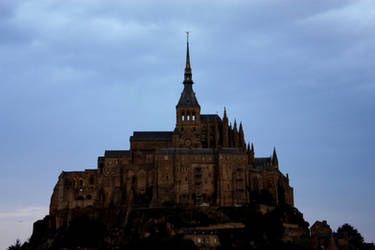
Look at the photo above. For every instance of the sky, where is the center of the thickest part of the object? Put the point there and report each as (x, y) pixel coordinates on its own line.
(78, 77)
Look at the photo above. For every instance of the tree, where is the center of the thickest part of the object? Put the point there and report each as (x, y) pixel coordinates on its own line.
(16, 246)
(354, 237)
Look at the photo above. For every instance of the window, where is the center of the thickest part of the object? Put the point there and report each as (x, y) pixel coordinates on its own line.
(91, 180)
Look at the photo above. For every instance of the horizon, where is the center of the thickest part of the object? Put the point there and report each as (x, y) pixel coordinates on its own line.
(78, 78)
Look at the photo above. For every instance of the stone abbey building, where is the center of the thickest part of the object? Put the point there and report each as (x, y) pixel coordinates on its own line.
(204, 161)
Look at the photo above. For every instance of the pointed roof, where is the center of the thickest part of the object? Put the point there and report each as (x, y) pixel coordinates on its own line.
(188, 98)
(274, 157)
(225, 114)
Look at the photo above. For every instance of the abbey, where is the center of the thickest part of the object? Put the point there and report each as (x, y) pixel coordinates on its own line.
(204, 161)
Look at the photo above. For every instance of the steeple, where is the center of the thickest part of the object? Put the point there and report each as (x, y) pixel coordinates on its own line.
(187, 65)
(275, 162)
(188, 111)
(188, 98)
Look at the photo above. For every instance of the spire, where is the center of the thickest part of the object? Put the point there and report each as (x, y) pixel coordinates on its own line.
(225, 129)
(275, 162)
(188, 74)
(250, 153)
(230, 135)
(188, 98)
(235, 135)
(242, 138)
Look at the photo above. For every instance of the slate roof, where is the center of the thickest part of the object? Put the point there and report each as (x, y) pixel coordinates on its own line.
(188, 98)
(262, 162)
(207, 151)
(152, 135)
(209, 117)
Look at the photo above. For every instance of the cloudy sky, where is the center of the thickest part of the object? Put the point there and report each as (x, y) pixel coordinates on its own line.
(77, 77)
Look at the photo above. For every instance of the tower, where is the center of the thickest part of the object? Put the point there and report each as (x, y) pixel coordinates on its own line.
(187, 110)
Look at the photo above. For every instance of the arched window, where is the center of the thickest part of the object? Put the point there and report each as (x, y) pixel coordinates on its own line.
(183, 115)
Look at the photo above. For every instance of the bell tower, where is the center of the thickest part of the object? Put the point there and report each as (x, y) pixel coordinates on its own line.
(188, 110)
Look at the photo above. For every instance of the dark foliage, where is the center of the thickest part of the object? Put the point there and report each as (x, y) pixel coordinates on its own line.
(84, 231)
(164, 242)
(158, 227)
(263, 231)
(354, 237)
(16, 246)
(368, 246)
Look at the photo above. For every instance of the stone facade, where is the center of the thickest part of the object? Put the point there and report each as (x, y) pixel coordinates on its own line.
(203, 162)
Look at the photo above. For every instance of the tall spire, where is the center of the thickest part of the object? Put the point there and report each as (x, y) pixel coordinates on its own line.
(188, 98)
(187, 77)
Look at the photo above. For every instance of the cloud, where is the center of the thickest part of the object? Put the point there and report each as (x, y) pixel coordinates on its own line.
(18, 224)
(24, 213)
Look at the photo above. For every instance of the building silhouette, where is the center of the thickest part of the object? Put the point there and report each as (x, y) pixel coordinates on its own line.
(204, 161)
